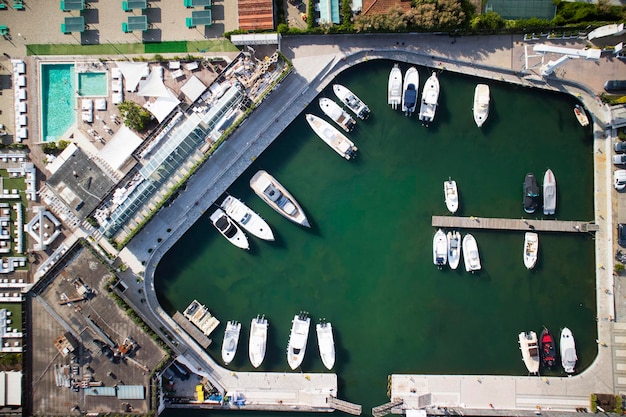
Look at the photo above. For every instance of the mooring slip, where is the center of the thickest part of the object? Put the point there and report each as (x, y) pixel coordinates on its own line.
(454, 222)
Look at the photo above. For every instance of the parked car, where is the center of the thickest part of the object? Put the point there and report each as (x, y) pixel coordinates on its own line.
(621, 234)
(620, 147)
(619, 159)
(619, 179)
(615, 86)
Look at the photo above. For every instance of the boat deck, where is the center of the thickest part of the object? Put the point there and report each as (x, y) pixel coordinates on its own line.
(513, 224)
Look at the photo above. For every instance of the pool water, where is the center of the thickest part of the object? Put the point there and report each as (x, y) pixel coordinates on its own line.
(57, 100)
(92, 84)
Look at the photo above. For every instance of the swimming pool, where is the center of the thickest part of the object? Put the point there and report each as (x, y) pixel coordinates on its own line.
(57, 100)
(93, 84)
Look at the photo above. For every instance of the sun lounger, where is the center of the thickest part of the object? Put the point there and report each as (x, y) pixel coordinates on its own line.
(117, 98)
(87, 104)
(116, 73)
(101, 104)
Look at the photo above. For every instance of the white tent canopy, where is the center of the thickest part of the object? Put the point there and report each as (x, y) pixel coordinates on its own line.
(132, 71)
(193, 88)
(121, 146)
(153, 86)
(162, 106)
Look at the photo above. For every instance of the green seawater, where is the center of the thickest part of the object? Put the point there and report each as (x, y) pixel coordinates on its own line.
(366, 263)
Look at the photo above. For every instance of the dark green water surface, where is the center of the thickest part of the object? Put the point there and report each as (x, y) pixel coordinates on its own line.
(366, 263)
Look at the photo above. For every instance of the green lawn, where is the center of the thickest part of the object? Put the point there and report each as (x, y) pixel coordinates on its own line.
(217, 45)
(16, 313)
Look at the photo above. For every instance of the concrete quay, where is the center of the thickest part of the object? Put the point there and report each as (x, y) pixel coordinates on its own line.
(317, 60)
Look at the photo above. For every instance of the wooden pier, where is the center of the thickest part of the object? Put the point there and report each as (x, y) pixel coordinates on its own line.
(345, 406)
(385, 409)
(454, 222)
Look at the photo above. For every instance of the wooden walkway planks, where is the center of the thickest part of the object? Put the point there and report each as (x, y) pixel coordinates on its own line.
(345, 406)
(472, 222)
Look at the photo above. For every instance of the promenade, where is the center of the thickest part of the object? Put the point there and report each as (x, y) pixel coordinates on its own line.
(317, 60)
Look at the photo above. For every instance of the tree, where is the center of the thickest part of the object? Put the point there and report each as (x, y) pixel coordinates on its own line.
(135, 116)
(488, 21)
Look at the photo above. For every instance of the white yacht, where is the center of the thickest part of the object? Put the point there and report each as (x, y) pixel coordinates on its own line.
(440, 248)
(481, 104)
(410, 87)
(568, 350)
(231, 340)
(298, 339)
(277, 197)
(470, 253)
(333, 137)
(549, 193)
(430, 99)
(394, 87)
(337, 114)
(258, 340)
(454, 249)
(452, 195)
(529, 346)
(581, 116)
(229, 229)
(350, 99)
(326, 344)
(246, 218)
(531, 249)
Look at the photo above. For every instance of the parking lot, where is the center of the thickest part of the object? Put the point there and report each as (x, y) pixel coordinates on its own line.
(76, 304)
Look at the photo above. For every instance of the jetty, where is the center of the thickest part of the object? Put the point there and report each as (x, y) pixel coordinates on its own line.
(345, 406)
(454, 222)
(385, 409)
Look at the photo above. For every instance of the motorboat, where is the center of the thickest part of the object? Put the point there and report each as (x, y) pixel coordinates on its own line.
(277, 197)
(452, 195)
(296, 347)
(229, 229)
(231, 340)
(531, 193)
(246, 218)
(454, 249)
(355, 104)
(549, 193)
(258, 340)
(430, 99)
(326, 343)
(333, 137)
(471, 257)
(568, 350)
(409, 88)
(481, 104)
(440, 248)
(530, 351)
(531, 249)
(337, 114)
(581, 116)
(394, 87)
(547, 349)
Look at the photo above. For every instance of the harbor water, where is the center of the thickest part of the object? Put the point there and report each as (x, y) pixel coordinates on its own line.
(366, 264)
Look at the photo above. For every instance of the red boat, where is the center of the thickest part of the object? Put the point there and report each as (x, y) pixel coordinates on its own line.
(547, 349)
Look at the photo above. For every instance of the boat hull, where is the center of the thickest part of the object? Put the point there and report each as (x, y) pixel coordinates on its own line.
(430, 100)
(581, 116)
(549, 193)
(531, 193)
(451, 194)
(278, 198)
(440, 248)
(394, 87)
(337, 114)
(547, 349)
(481, 104)
(409, 91)
(567, 348)
(355, 104)
(296, 348)
(326, 344)
(230, 342)
(531, 249)
(454, 249)
(471, 256)
(229, 229)
(332, 137)
(258, 341)
(529, 347)
(246, 218)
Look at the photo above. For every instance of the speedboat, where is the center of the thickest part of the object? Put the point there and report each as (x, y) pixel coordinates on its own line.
(258, 340)
(430, 99)
(394, 87)
(470, 253)
(409, 95)
(530, 351)
(531, 193)
(326, 344)
(454, 249)
(452, 195)
(549, 193)
(440, 248)
(568, 350)
(231, 339)
(481, 104)
(350, 99)
(229, 229)
(337, 114)
(547, 349)
(297, 339)
(531, 249)
(333, 137)
(246, 218)
(581, 116)
(277, 197)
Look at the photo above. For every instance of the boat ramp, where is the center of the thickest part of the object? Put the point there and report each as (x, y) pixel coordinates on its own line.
(453, 222)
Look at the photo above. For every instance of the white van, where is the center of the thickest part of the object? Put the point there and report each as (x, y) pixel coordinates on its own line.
(619, 179)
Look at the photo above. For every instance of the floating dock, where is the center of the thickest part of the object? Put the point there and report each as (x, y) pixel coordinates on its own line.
(454, 222)
(345, 406)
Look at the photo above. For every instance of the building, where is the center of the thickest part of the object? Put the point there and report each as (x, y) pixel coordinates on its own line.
(256, 15)
(65, 344)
